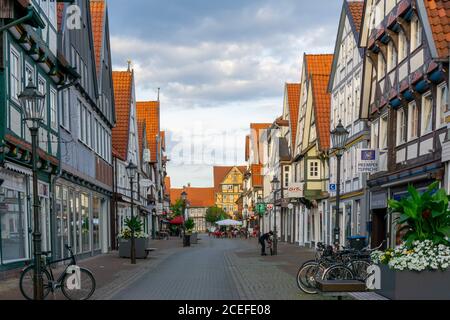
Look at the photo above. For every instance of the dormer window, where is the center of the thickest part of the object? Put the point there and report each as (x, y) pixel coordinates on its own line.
(416, 33)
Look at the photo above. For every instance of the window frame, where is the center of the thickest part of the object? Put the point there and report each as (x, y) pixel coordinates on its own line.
(13, 51)
(402, 127)
(423, 130)
(413, 129)
(440, 114)
(313, 169)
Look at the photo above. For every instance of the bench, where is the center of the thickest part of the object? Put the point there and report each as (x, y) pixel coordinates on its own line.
(340, 288)
(148, 250)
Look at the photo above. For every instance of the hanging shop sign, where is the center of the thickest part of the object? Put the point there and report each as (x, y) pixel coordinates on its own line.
(367, 161)
(295, 190)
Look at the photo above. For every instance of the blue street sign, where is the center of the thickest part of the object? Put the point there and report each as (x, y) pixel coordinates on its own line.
(332, 187)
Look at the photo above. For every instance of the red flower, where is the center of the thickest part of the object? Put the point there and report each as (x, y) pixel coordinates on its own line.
(426, 214)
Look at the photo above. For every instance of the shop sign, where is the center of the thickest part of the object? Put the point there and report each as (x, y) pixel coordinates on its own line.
(378, 200)
(295, 190)
(367, 160)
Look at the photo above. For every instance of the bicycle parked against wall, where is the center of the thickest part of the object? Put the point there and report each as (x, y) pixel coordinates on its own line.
(330, 264)
(64, 281)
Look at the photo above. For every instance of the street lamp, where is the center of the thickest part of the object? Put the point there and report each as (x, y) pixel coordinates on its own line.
(131, 172)
(339, 137)
(275, 183)
(32, 102)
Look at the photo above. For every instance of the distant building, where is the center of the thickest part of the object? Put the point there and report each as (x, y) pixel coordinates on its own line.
(228, 187)
(198, 202)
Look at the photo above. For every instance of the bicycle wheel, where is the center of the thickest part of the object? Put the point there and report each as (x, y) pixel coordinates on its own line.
(26, 283)
(338, 272)
(307, 276)
(359, 268)
(87, 286)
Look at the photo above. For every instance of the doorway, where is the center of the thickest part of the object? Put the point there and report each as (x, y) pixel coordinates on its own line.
(379, 227)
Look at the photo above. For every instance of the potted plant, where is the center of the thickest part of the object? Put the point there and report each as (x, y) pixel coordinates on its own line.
(419, 267)
(141, 239)
(188, 227)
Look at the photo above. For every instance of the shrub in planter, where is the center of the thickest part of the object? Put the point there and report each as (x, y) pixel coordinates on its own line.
(424, 256)
(141, 238)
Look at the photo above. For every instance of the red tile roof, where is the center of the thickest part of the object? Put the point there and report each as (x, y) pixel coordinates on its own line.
(123, 82)
(167, 185)
(318, 63)
(356, 10)
(257, 177)
(321, 103)
(247, 148)
(149, 111)
(221, 172)
(439, 18)
(256, 134)
(293, 97)
(98, 18)
(141, 133)
(197, 197)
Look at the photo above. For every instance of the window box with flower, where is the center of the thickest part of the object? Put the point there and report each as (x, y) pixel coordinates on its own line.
(418, 269)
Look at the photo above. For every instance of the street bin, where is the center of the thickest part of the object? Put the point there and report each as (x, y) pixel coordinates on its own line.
(187, 240)
(357, 242)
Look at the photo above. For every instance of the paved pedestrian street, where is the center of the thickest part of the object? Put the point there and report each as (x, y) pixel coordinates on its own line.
(218, 269)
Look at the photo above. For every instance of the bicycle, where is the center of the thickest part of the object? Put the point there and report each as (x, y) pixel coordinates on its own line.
(64, 282)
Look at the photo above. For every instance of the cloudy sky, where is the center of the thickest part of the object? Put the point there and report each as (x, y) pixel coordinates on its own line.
(220, 65)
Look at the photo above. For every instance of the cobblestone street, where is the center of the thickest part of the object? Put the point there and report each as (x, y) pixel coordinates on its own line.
(220, 269)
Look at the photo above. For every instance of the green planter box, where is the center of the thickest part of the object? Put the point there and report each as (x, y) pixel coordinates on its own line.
(140, 246)
(410, 285)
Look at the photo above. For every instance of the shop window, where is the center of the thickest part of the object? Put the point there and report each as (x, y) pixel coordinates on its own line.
(96, 209)
(85, 223)
(14, 230)
(427, 112)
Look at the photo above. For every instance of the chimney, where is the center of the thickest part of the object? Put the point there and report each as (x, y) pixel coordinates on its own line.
(129, 65)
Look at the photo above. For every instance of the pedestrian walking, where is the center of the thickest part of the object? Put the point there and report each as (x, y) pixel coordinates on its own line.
(262, 241)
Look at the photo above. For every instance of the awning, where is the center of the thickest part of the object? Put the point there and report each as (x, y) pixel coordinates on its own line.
(179, 220)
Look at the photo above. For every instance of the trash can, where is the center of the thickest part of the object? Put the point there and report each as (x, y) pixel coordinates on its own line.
(357, 242)
(187, 240)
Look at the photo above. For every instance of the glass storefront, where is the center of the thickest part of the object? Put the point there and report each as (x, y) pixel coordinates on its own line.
(14, 246)
(80, 216)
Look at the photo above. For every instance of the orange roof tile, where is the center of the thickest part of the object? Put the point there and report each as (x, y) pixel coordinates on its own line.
(149, 111)
(439, 18)
(167, 185)
(247, 148)
(123, 82)
(356, 10)
(221, 172)
(322, 101)
(255, 131)
(257, 177)
(197, 197)
(293, 95)
(141, 125)
(318, 63)
(98, 18)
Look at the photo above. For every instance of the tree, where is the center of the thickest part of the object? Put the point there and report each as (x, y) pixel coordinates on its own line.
(177, 208)
(214, 214)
